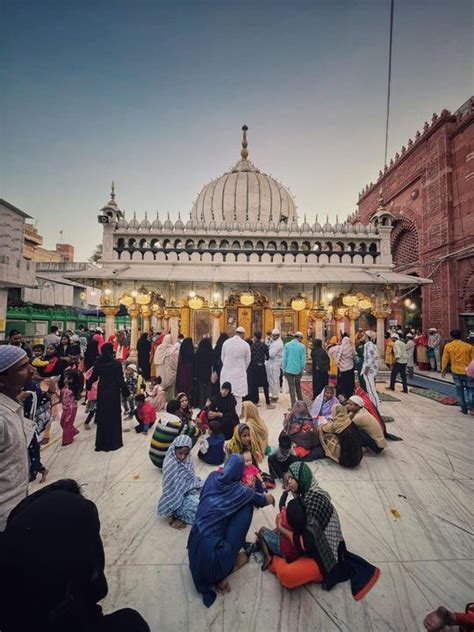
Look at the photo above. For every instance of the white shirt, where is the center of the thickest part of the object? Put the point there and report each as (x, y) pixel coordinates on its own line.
(371, 357)
(235, 358)
(16, 433)
(275, 351)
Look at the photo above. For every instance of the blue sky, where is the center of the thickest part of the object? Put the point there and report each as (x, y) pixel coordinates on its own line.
(153, 94)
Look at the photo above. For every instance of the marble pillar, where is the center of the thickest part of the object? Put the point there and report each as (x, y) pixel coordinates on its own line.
(353, 314)
(173, 316)
(133, 313)
(146, 319)
(109, 320)
(337, 325)
(3, 311)
(317, 316)
(380, 316)
(216, 324)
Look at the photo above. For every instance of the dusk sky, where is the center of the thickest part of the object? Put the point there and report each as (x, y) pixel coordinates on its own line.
(154, 94)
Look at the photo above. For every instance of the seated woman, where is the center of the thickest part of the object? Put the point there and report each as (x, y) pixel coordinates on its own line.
(166, 430)
(257, 426)
(69, 584)
(325, 558)
(370, 430)
(181, 487)
(290, 523)
(222, 520)
(223, 409)
(340, 438)
(184, 412)
(303, 432)
(243, 439)
(280, 459)
(324, 403)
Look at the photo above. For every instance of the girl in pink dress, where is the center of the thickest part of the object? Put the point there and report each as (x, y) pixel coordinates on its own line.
(69, 397)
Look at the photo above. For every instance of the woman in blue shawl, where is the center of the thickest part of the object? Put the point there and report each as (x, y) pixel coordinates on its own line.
(180, 496)
(222, 521)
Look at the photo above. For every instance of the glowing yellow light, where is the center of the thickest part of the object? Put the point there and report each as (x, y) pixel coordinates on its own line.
(195, 302)
(134, 293)
(365, 304)
(298, 304)
(143, 298)
(126, 300)
(247, 299)
(107, 291)
(349, 300)
(329, 296)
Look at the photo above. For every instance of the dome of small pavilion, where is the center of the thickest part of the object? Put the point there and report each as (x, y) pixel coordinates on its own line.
(245, 194)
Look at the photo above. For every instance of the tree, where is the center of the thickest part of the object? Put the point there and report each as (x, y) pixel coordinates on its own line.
(96, 256)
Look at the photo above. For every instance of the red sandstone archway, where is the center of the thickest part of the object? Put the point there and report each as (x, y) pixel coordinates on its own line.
(404, 241)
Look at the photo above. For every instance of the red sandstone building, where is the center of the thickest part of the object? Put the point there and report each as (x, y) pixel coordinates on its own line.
(429, 189)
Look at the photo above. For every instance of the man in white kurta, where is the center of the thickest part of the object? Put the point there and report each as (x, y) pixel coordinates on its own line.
(235, 358)
(273, 364)
(370, 367)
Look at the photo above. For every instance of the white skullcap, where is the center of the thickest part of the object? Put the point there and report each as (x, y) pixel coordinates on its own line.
(240, 330)
(370, 334)
(357, 400)
(275, 332)
(10, 355)
(432, 329)
(132, 366)
(298, 334)
(409, 335)
(394, 335)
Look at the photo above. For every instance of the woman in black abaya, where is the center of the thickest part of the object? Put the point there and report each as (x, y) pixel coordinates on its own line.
(143, 350)
(202, 373)
(111, 389)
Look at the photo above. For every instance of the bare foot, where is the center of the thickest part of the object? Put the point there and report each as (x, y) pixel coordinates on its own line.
(439, 618)
(178, 524)
(242, 559)
(44, 474)
(223, 586)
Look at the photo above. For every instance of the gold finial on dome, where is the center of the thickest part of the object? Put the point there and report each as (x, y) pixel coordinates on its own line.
(244, 152)
(112, 192)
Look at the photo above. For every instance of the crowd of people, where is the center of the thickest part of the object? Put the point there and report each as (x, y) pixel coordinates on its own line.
(207, 399)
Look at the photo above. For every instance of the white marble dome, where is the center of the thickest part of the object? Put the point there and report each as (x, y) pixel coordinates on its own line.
(245, 194)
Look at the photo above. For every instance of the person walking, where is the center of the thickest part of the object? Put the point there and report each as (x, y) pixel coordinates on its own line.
(410, 347)
(320, 367)
(434, 349)
(370, 367)
(235, 358)
(111, 389)
(459, 355)
(259, 354)
(294, 362)
(273, 364)
(143, 355)
(16, 431)
(400, 364)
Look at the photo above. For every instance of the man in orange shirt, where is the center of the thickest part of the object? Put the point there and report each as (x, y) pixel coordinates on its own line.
(459, 354)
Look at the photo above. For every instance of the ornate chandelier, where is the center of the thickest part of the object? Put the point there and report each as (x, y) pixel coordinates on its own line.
(364, 303)
(298, 304)
(247, 298)
(350, 299)
(195, 302)
(126, 300)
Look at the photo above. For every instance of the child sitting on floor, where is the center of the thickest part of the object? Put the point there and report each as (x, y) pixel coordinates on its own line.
(203, 419)
(279, 541)
(157, 395)
(211, 450)
(252, 477)
(280, 460)
(145, 414)
(131, 380)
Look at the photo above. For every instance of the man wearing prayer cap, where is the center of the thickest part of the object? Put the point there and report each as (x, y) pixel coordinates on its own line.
(16, 431)
(273, 364)
(294, 362)
(370, 430)
(370, 367)
(235, 357)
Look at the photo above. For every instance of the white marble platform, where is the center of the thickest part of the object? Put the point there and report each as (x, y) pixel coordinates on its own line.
(426, 555)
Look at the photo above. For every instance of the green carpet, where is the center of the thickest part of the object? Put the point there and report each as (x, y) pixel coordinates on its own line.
(434, 395)
(386, 397)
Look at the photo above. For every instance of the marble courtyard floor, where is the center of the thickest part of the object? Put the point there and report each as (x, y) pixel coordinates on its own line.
(409, 511)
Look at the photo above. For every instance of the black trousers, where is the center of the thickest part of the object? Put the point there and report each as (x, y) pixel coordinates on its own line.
(320, 380)
(258, 377)
(396, 369)
(366, 441)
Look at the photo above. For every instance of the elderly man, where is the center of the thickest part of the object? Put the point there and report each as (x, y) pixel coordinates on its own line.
(434, 349)
(16, 432)
(370, 431)
(294, 362)
(370, 367)
(400, 362)
(235, 359)
(273, 364)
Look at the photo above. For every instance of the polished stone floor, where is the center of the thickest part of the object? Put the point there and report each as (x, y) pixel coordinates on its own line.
(409, 511)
